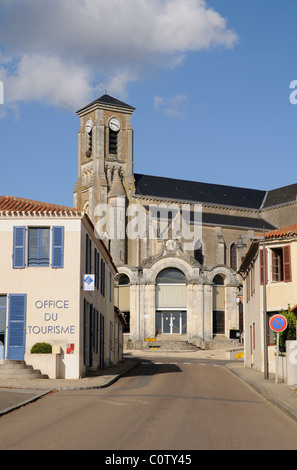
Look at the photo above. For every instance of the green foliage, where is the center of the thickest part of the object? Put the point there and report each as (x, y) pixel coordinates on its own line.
(41, 348)
(290, 332)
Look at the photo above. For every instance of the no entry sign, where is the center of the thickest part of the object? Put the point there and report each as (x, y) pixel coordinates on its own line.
(278, 323)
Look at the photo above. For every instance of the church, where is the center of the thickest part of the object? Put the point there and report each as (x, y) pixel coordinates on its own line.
(174, 242)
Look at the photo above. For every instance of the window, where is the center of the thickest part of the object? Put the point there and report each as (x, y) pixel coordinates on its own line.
(102, 284)
(171, 276)
(113, 142)
(97, 267)
(38, 250)
(233, 257)
(281, 264)
(110, 287)
(124, 280)
(88, 255)
(218, 280)
(198, 255)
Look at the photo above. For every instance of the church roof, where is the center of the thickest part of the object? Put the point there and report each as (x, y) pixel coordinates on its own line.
(280, 196)
(251, 223)
(109, 101)
(182, 190)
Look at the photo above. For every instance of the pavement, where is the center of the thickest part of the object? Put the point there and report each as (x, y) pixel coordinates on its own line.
(18, 392)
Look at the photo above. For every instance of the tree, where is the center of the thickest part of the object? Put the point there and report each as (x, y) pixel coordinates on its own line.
(289, 334)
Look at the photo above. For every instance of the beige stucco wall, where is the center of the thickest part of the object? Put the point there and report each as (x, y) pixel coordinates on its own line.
(55, 297)
(278, 296)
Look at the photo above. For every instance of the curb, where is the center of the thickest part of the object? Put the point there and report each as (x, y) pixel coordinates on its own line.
(291, 412)
(25, 402)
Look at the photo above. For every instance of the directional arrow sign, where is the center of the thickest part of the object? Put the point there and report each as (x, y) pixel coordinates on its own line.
(278, 323)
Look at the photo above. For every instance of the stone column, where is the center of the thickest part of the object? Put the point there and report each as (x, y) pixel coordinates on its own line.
(208, 314)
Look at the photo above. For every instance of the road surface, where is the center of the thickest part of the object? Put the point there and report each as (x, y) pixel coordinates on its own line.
(162, 404)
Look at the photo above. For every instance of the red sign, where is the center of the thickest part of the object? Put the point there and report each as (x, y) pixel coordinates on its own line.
(278, 323)
(70, 348)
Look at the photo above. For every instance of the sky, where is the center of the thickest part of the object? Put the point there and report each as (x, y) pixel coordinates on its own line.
(210, 81)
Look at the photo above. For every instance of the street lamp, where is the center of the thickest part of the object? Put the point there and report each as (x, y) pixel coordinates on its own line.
(241, 244)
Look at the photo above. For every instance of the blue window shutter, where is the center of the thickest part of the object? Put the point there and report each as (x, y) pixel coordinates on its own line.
(58, 247)
(16, 326)
(19, 247)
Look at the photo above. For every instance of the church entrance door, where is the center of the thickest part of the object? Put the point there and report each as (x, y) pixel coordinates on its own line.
(171, 323)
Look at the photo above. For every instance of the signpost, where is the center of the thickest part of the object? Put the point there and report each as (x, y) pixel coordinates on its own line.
(277, 323)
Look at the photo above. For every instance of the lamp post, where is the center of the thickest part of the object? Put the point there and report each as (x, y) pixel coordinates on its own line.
(241, 244)
(140, 273)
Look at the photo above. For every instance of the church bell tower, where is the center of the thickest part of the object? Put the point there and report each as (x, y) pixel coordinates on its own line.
(105, 167)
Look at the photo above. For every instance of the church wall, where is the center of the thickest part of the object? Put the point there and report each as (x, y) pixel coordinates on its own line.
(282, 215)
(96, 185)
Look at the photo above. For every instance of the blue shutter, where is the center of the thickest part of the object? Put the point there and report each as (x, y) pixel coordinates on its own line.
(58, 247)
(16, 326)
(19, 247)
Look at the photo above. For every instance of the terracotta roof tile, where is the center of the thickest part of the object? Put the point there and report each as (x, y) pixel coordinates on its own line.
(283, 232)
(12, 204)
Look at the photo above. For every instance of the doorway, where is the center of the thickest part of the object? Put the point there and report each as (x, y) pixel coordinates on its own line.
(2, 326)
(171, 322)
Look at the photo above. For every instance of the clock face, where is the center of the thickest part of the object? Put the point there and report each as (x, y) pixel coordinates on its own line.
(89, 125)
(114, 124)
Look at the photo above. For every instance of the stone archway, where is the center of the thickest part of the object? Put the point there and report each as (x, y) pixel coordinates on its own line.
(171, 302)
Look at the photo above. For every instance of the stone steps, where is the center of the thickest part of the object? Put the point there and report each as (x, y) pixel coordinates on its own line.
(171, 343)
(17, 369)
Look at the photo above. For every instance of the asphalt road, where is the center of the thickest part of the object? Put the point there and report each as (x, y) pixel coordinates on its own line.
(164, 404)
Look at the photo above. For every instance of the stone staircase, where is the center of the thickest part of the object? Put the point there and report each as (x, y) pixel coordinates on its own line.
(19, 369)
(171, 343)
(221, 342)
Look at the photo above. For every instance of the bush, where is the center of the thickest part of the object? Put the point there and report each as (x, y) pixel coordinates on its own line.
(290, 332)
(41, 348)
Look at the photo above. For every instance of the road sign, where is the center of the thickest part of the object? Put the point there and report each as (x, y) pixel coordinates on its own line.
(89, 281)
(278, 323)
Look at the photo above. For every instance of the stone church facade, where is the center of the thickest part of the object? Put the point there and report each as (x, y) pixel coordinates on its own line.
(173, 241)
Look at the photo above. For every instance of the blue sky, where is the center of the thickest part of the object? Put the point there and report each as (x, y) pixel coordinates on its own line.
(210, 82)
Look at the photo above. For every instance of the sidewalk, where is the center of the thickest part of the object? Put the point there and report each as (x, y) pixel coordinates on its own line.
(17, 392)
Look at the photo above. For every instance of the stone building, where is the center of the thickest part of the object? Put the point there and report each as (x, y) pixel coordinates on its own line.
(173, 241)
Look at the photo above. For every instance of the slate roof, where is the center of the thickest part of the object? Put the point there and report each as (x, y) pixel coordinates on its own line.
(110, 101)
(281, 195)
(252, 223)
(12, 204)
(182, 190)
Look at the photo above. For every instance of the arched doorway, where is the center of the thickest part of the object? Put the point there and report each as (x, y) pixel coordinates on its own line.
(218, 305)
(171, 302)
(124, 299)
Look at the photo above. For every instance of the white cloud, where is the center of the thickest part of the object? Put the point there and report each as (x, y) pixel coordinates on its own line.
(172, 107)
(48, 79)
(62, 51)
